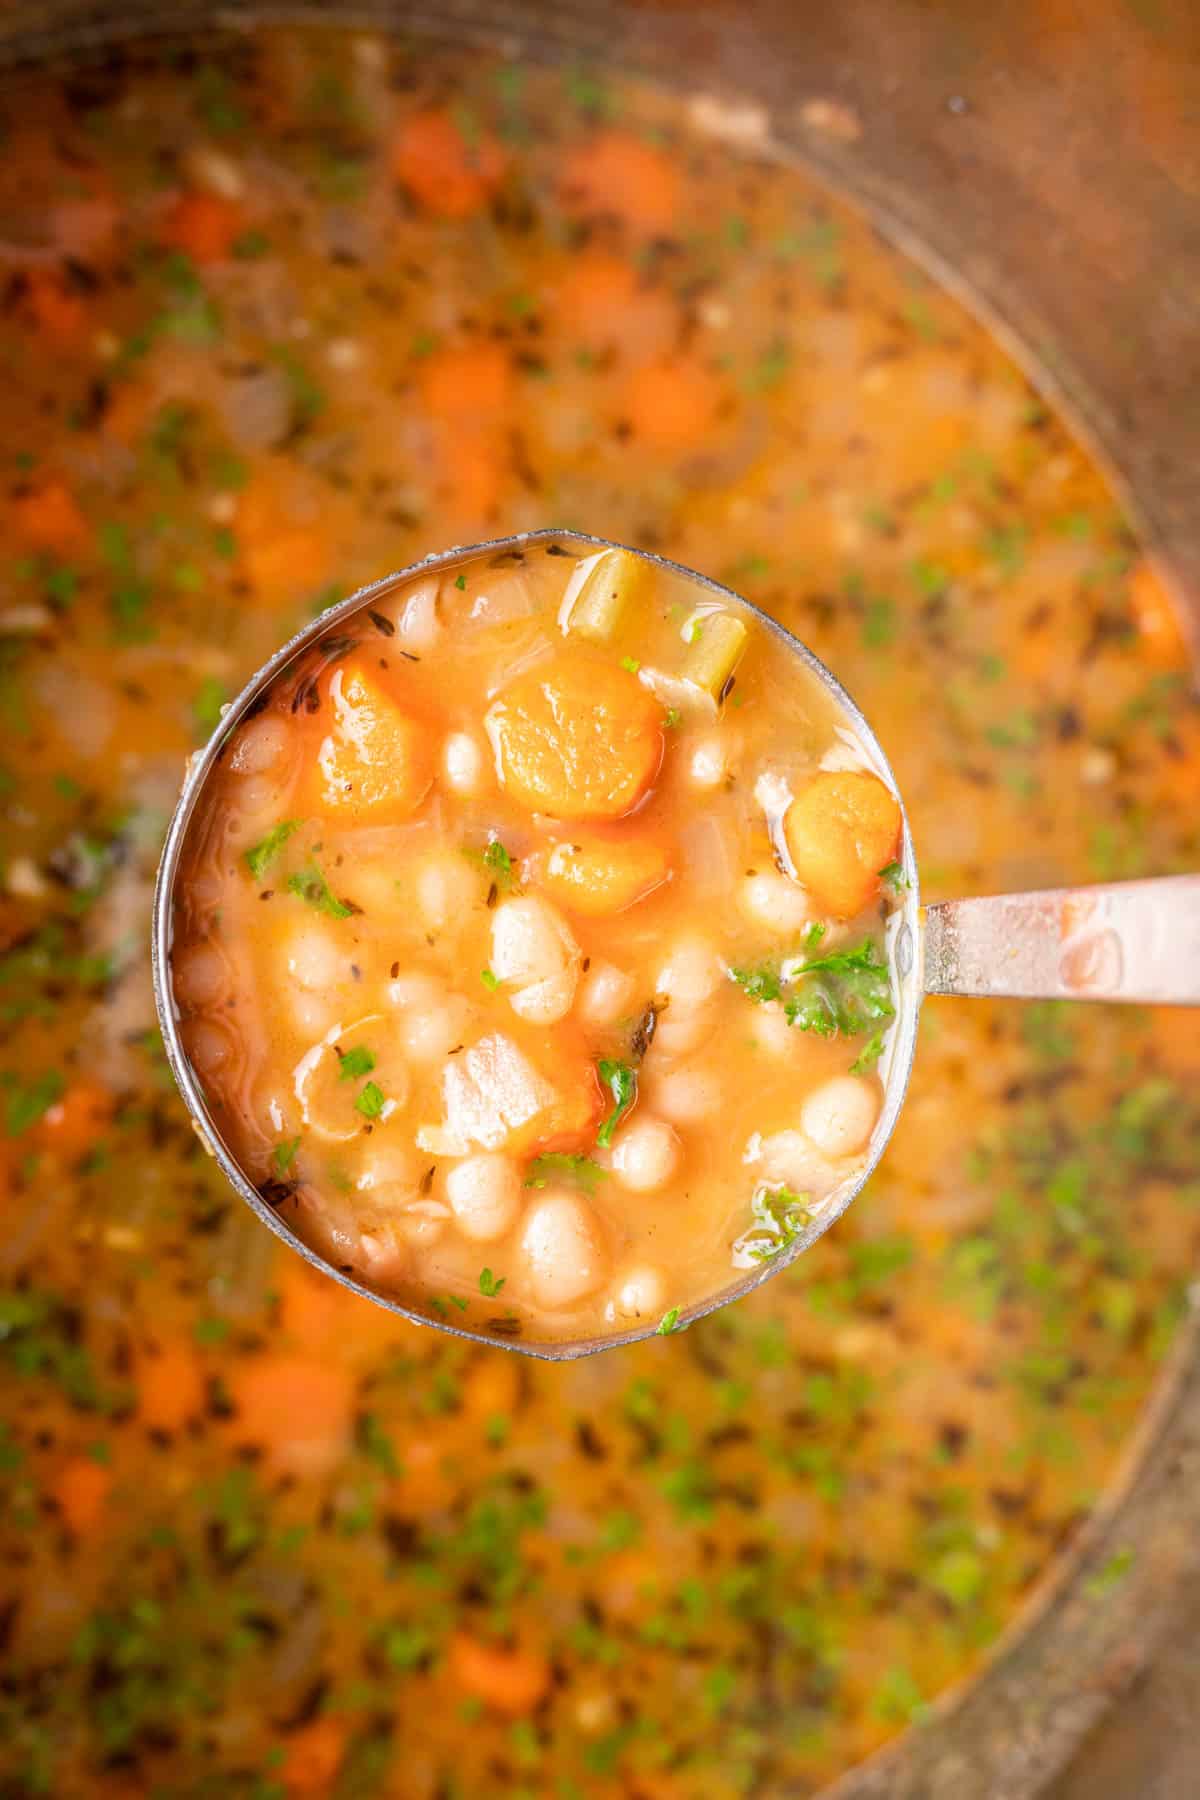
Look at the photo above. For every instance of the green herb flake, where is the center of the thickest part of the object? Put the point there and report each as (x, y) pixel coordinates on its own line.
(761, 982)
(460, 582)
(869, 1055)
(579, 1169)
(491, 982)
(284, 1155)
(892, 874)
(27, 1102)
(621, 1081)
(260, 858)
(669, 1323)
(355, 1063)
(207, 703)
(311, 886)
(489, 1284)
(371, 1102)
(375, 1443)
(843, 993)
(631, 664)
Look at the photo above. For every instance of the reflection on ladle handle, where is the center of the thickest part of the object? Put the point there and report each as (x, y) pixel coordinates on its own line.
(1126, 940)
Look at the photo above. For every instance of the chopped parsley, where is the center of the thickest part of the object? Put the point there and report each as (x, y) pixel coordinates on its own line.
(311, 887)
(631, 664)
(260, 858)
(669, 1323)
(356, 1062)
(779, 1217)
(371, 1102)
(762, 981)
(893, 874)
(842, 993)
(621, 1081)
(27, 1102)
(869, 1055)
(284, 1155)
(491, 982)
(460, 582)
(489, 1284)
(495, 859)
(580, 1169)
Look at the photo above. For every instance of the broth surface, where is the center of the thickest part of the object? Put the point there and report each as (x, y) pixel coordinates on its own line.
(539, 914)
(302, 308)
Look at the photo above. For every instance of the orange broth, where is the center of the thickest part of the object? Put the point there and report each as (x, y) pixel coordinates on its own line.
(311, 305)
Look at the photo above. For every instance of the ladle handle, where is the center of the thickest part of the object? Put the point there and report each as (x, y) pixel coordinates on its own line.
(1125, 940)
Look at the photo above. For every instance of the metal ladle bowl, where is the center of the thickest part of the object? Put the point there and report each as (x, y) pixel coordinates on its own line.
(1131, 941)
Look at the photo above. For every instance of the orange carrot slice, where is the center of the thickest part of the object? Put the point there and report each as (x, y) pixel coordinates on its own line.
(82, 1490)
(53, 306)
(672, 404)
(577, 738)
(509, 1681)
(449, 169)
(313, 1756)
(617, 175)
(47, 517)
(379, 759)
(596, 876)
(203, 225)
(1156, 619)
(842, 828)
(76, 1123)
(296, 1409)
(170, 1384)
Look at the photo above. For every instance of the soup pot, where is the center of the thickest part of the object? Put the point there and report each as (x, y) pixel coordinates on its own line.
(1044, 160)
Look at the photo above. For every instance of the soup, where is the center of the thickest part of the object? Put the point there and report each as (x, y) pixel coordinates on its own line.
(448, 960)
(258, 1534)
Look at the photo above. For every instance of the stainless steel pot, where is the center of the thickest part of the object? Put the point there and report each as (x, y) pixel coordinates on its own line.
(1043, 159)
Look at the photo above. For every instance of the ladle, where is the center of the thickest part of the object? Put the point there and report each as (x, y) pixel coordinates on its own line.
(1131, 941)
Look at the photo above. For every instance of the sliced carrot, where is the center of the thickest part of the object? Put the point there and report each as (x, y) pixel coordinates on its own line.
(525, 1090)
(81, 1491)
(617, 175)
(449, 171)
(77, 1122)
(203, 225)
(296, 1409)
(54, 306)
(576, 737)
(491, 1386)
(170, 1384)
(468, 382)
(672, 404)
(512, 1682)
(285, 549)
(842, 828)
(313, 1755)
(1156, 618)
(601, 302)
(605, 875)
(47, 517)
(379, 759)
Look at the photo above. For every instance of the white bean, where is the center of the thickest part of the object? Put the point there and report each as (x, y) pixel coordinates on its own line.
(564, 1257)
(485, 1195)
(260, 746)
(447, 887)
(383, 1257)
(692, 973)
(462, 763)
(687, 1096)
(772, 901)
(707, 764)
(839, 1116)
(532, 947)
(770, 1031)
(639, 1295)
(432, 1021)
(606, 993)
(683, 1028)
(645, 1155)
(418, 622)
(389, 1173)
(313, 959)
(209, 1045)
(200, 975)
(423, 1222)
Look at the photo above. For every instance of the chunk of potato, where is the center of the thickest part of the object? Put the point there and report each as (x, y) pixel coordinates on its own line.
(841, 830)
(576, 737)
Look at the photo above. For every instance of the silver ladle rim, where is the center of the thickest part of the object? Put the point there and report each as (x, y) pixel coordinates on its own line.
(906, 960)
